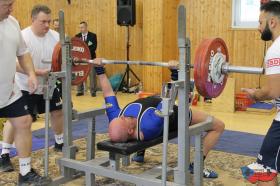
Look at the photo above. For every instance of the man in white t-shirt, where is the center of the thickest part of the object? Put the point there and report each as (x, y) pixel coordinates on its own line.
(12, 104)
(40, 41)
(265, 170)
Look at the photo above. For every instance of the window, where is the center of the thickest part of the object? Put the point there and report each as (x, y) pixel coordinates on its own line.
(245, 13)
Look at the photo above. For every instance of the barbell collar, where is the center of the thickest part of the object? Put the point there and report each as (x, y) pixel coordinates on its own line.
(240, 69)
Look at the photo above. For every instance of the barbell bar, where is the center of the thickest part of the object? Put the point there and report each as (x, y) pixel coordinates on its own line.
(160, 64)
(211, 66)
(226, 68)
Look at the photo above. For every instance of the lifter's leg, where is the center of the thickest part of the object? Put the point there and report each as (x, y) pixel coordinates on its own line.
(212, 135)
(210, 139)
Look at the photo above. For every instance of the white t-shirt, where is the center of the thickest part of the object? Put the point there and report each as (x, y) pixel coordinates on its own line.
(40, 48)
(272, 66)
(11, 46)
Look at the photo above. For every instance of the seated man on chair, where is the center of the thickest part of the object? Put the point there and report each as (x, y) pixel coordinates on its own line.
(138, 120)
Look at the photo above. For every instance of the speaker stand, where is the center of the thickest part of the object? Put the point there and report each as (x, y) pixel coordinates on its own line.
(126, 87)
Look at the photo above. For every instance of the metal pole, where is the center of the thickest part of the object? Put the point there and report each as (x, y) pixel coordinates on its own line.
(122, 62)
(127, 58)
(69, 151)
(240, 69)
(165, 112)
(182, 175)
(66, 86)
(198, 163)
(47, 116)
(61, 27)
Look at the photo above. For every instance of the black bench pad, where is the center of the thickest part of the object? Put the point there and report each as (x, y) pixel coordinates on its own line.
(131, 147)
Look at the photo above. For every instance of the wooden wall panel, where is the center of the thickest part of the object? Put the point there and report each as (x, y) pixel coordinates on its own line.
(152, 43)
(213, 19)
(154, 37)
(170, 29)
(102, 20)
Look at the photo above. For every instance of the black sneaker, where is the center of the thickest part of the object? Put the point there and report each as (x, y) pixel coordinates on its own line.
(58, 147)
(5, 163)
(33, 178)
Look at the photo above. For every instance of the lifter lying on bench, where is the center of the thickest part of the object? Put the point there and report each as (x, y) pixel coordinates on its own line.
(139, 120)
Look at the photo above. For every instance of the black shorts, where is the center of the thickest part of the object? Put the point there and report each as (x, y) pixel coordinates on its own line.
(16, 109)
(270, 150)
(38, 102)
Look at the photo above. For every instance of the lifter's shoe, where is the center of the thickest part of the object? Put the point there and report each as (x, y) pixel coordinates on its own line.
(207, 173)
(257, 172)
(5, 163)
(34, 179)
(137, 158)
(58, 147)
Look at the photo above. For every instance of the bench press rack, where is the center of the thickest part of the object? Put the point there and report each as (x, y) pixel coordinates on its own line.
(110, 167)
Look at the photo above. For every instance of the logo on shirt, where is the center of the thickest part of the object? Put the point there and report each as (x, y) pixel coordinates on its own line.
(90, 43)
(59, 102)
(260, 157)
(273, 62)
(25, 107)
(108, 105)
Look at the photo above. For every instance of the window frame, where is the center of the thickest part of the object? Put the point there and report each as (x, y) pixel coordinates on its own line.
(236, 17)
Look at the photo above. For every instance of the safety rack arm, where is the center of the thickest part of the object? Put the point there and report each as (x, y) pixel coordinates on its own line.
(197, 131)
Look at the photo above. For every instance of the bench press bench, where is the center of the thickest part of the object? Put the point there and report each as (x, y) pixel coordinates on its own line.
(132, 146)
(124, 150)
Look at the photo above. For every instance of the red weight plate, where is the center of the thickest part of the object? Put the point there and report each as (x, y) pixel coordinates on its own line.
(80, 50)
(206, 50)
(80, 71)
(56, 58)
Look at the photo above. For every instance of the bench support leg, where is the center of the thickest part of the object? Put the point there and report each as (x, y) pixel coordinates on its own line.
(114, 161)
(126, 160)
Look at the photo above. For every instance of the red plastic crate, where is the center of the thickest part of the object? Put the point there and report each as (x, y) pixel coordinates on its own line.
(242, 101)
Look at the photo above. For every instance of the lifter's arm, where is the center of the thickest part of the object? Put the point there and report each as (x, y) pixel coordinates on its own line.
(105, 86)
(103, 79)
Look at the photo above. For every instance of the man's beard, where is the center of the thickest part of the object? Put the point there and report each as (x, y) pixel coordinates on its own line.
(266, 34)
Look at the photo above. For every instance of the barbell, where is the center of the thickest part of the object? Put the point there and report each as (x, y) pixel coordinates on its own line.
(211, 66)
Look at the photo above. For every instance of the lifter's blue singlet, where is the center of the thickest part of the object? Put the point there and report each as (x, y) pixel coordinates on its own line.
(148, 122)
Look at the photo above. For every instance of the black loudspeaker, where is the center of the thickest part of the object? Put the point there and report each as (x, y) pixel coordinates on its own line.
(126, 12)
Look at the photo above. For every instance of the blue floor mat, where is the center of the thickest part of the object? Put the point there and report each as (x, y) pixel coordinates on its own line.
(237, 142)
(231, 141)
